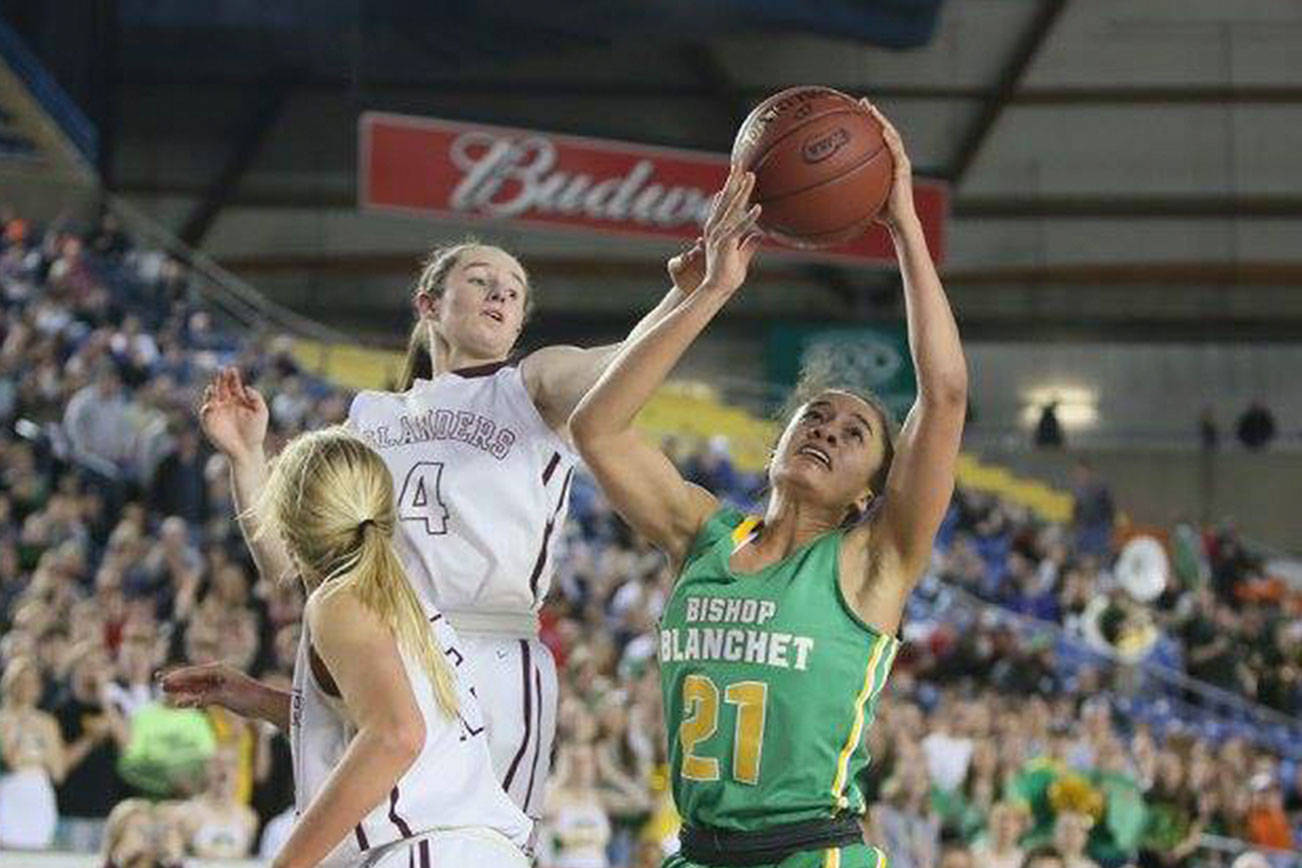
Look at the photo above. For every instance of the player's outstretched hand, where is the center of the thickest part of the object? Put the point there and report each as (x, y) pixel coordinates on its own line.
(731, 234)
(234, 416)
(210, 684)
(899, 204)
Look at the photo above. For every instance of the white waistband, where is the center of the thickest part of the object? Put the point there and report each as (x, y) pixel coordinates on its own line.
(511, 855)
(511, 625)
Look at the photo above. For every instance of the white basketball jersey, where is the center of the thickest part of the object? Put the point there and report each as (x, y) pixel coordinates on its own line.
(481, 483)
(451, 783)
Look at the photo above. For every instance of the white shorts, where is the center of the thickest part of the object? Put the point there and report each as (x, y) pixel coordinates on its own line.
(515, 683)
(462, 848)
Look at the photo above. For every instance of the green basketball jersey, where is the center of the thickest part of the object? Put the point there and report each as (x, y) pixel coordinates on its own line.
(769, 683)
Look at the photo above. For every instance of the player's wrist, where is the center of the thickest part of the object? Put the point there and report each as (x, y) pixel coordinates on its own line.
(903, 224)
(245, 457)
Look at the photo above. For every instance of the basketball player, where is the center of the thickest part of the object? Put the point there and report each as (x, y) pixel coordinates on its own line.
(780, 631)
(481, 462)
(388, 740)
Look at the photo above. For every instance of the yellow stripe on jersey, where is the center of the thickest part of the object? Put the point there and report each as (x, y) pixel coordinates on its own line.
(832, 858)
(870, 686)
(741, 531)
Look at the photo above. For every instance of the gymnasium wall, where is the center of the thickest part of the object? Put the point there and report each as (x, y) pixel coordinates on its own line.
(1158, 487)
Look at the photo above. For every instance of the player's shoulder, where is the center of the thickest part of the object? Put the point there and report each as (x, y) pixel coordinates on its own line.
(371, 400)
(336, 609)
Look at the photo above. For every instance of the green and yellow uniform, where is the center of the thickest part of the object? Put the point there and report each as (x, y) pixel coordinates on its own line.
(770, 681)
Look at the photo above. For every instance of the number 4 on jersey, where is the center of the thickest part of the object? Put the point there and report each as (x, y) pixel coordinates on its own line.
(422, 499)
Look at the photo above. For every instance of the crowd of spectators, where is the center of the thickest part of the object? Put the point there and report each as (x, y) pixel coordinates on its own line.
(1222, 618)
(119, 556)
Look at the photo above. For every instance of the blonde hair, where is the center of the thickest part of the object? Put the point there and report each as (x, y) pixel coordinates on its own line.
(330, 497)
(434, 271)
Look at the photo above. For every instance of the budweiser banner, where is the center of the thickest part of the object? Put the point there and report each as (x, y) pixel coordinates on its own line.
(438, 168)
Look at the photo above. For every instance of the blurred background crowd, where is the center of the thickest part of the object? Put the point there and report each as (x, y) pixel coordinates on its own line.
(1036, 704)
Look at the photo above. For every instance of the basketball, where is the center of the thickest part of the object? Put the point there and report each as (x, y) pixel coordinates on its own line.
(822, 169)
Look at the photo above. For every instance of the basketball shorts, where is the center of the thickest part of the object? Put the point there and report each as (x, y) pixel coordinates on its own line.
(451, 849)
(515, 683)
(855, 856)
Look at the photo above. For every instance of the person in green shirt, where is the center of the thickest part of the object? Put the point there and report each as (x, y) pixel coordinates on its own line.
(780, 630)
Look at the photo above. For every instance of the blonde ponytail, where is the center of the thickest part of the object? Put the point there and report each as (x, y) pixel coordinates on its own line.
(330, 497)
(419, 363)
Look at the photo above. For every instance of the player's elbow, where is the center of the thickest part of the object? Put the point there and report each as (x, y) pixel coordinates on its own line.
(402, 741)
(946, 388)
(589, 427)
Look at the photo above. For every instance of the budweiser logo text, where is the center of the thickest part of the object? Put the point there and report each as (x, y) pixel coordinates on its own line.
(516, 176)
(441, 168)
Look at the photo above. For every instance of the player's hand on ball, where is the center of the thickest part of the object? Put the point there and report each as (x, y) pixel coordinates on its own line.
(899, 204)
(687, 269)
(233, 416)
(731, 235)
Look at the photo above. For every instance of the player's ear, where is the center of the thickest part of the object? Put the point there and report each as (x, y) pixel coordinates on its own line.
(426, 305)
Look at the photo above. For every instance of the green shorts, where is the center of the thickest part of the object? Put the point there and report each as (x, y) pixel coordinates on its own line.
(855, 856)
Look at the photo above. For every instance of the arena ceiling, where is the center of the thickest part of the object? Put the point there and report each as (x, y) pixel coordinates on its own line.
(1119, 167)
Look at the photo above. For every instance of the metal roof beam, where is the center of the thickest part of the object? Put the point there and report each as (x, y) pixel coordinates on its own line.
(253, 133)
(1010, 76)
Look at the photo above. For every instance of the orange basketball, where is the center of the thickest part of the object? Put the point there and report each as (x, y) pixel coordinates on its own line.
(822, 169)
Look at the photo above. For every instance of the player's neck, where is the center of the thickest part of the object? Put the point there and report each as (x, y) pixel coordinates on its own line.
(454, 359)
(789, 524)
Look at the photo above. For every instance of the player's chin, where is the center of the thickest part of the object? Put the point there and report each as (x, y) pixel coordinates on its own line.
(487, 340)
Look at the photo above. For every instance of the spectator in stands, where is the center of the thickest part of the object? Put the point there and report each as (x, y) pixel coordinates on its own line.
(34, 760)
(110, 241)
(139, 656)
(1044, 857)
(903, 824)
(712, 468)
(1172, 826)
(1267, 824)
(141, 834)
(999, 849)
(575, 825)
(178, 487)
(948, 751)
(94, 734)
(101, 425)
(1048, 431)
(1209, 433)
(1092, 512)
(1071, 832)
(217, 824)
(956, 856)
(1256, 427)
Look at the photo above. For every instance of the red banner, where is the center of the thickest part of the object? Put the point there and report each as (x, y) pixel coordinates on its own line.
(438, 168)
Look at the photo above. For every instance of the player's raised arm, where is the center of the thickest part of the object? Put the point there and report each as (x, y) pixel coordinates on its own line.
(641, 483)
(234, 418)
(921, 478)
(559, 376)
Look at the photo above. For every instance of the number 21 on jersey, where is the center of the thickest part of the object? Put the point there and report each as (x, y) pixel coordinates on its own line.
(422, 497)
(701, 719)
